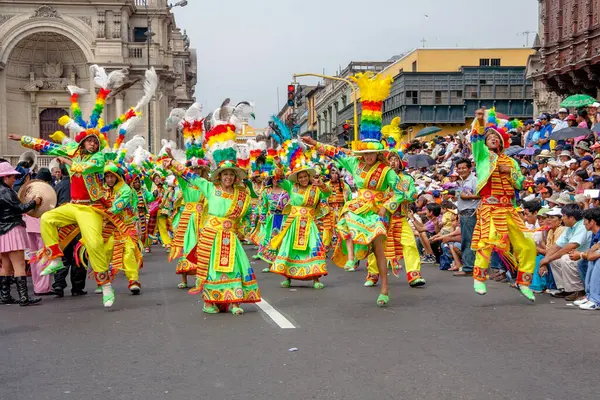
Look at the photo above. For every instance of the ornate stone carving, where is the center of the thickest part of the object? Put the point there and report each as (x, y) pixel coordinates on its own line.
(53, 70)
(5, 17)
(116, 34)
(45, 11)
(53, 101)
(186, 40)
(33, 85)
(86, 20)
(101, 25)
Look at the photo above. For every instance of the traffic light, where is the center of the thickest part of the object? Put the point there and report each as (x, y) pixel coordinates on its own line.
(291, 95)
(344, 137)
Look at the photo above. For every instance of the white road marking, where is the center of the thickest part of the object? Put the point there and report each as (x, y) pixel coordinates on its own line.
(275, 315)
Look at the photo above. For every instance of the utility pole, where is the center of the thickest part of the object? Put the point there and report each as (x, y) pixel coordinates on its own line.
(149, 35)
(526, 34)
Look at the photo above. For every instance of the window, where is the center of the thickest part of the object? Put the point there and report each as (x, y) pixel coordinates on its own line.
(502, 92)
(414, 66)
(456, 96)
(412, 97)
(426, 96)
(439, 96)
(484, 62)
(471, 92)
(495, 62)
(139, 34)
(486, 91)
(516, 92)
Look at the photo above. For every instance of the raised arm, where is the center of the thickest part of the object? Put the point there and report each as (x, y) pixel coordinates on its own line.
(40, 145)
(340, 156)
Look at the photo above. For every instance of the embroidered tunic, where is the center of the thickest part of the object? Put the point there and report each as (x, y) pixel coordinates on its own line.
(359, 219)
(300, 250)
(223, 271)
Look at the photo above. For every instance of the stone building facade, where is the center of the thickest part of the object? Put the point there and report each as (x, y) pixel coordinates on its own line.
(45, 46)
(567, 60)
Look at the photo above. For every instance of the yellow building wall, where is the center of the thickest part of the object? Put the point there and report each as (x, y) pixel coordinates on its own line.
(450, 60)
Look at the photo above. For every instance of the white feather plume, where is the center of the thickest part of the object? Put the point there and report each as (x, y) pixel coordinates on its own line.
(254, 145)
(100, 75)
(73, 127)
(179, 155)
(150, 86)
(76, 90)
(175, 118)
(241, 113)
(170, 180)
(166, 144)
(133, 144)
(107, 81)
(140, 155)
(242, 152)
(193, 113)
(116, 79)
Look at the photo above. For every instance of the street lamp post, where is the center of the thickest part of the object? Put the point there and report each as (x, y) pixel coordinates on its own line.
(149, 35)
(354, 95)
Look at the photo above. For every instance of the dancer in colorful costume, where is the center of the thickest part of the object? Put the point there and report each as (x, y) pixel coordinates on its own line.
(191, 218)
(144, 199)
(85, 163)
(158, 192)
(274, 201)
(300, 250)
(498, 223)
(255, 227)
(362, 224)
(224, 275)
(123, 240)
(340, 194)
(400, 242)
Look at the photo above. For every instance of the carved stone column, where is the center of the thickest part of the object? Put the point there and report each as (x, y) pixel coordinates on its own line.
(119, 104)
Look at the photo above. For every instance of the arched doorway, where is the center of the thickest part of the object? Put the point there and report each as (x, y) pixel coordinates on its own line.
(49, 122)
(38, 71)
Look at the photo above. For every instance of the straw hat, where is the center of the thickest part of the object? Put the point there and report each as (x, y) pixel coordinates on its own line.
(37, 188)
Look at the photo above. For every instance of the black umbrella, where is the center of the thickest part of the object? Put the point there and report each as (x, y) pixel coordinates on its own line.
(569, 132)
(419, 161)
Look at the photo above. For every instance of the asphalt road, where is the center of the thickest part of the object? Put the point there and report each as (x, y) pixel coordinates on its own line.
(438, 342)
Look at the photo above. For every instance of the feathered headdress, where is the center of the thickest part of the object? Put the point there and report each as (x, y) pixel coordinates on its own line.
(280, 132)
(256, 150)
(219, 141)
(107, 82)
(392, 135)
(496, 126)
(292, 156)
(373, 90)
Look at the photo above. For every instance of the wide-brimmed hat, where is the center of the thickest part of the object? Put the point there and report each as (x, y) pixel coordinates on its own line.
(6, 169)
(553, 198)
(293, 177)
(583, 145)
(545, 154)
(565, 198)
(228, 165)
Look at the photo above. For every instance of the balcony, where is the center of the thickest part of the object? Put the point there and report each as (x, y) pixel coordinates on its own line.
(137, 54)
(151, 3)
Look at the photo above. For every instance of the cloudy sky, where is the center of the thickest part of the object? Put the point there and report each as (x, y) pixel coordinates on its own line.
(249, 48)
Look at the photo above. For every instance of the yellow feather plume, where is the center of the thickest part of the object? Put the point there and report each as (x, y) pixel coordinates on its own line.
(372, 87)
